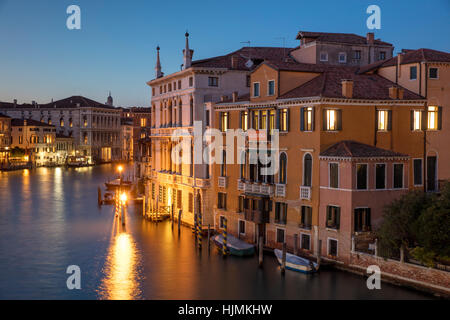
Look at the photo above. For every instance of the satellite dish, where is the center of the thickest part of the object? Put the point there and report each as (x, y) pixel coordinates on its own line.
(249, 63)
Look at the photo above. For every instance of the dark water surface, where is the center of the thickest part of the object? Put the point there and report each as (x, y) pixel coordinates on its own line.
(49, 220)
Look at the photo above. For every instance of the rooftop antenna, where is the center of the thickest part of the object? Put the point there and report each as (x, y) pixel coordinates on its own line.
(249, 63)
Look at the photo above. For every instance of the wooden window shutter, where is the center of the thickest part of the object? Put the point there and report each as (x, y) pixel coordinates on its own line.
(313, 118)
(250, 120)
(228, 120)
(302, 119)
(288, 119)
(412, 119)
(424, 120)
(338, 218)
(277, 120)
(220, 121)
(389, 126)
(339, 119)
(439, 118)
(324, 119)
(240, 119)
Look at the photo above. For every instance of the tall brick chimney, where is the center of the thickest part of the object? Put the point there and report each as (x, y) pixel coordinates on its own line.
(235, 96)
(400, 92)
(370, 37)
(347, 88)
(399, 62)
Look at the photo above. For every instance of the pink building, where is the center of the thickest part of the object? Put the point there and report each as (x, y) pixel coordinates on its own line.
(356, 182)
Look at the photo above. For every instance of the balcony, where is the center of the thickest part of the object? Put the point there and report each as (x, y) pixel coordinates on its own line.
(256, 216)
(305, 193)
(280, 190)
(222, 182)
(248, 187)
(202, 183)
(240, 185)
(256, 188)
(267, 189)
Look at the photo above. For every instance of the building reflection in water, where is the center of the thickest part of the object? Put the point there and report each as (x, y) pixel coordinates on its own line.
(121, 274)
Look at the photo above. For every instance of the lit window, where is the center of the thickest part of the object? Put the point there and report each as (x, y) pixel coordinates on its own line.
(332, 120)
(255, 120)
(271, 88)
(433, 118)
(307, 119)
(256, 89)
(416, 120)
(244, 120)
(384, 120)
(284, 119)
(272, 121)
(263, 120)
(143, 122)
(224, 121)
(61, 122)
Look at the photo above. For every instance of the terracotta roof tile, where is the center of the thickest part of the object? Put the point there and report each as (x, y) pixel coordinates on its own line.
(354, 149)
(30, 122)
(349, 38)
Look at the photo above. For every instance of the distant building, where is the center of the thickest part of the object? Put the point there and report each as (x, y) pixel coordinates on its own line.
(65, 147)
(140, 118)
(37, 139)
(126, 138)
(5, 139)
(94, 126)
(345, 49)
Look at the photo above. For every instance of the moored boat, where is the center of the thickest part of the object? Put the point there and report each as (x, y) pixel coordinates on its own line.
(235, 246)
(114, 184)
(296, 263)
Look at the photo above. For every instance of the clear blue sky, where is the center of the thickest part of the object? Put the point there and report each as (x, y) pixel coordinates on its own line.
(41, 59)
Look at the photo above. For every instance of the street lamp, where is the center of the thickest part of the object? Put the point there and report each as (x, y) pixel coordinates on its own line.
(123, 198)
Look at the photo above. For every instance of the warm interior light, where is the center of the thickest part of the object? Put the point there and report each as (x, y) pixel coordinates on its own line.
(120, 168)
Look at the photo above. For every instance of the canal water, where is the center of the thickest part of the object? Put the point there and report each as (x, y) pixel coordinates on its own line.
(49, 220)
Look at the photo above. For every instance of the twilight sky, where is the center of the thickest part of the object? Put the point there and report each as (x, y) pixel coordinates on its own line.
(41, 59)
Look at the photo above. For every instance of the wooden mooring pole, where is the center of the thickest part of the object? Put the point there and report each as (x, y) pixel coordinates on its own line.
(296, 244)
(209, 237)
(199, 226)
(260, 251)
(225, 236)
(283, 259)
(99, 193)
(179, 221)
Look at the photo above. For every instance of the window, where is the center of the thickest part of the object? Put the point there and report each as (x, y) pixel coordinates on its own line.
(143, 122)
(334, 175)
(361, 176)
(307, 119)
(416, 120)
(283, 168)
(241, 203)
(280, 212)
(332, 247)
(242, 227)
(398, 176)
(433, 73)
(256, 89)
(323, 56)
(169, 87)
(191, 81)
(191, 202)
(179, 198)
(248, 81)
(434, 118)
(307, 170)
(213, 81)
(362, 221)
(271, 121)
(244, 120)
(224, 121)
(280, 235)
(223, 166)
(222, 222)
(263, 120)
(179, 84)
(243, 165)
(412, 73)
(357, 54)
(191, 111)
(380, 176)
(342, 57)
(306, 217)
(384, 120)
(222, 200)
(284, 120)
(61, 122)
(332, 120)
(418, 170)
(255, 120)
(207, 120)
(382, 55)
(271, 88)
(333, 217)
(305, 241)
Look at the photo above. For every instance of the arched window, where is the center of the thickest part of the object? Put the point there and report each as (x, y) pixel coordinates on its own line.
(307, 170)
(283, 168)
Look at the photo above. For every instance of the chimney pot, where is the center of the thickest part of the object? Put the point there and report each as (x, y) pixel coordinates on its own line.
(370, 37)
(400, 93)
(235, 96)
(347, 88)
(393, 92)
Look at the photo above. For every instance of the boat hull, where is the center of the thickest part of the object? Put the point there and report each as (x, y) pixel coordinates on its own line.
(245, 251)
(296, 263)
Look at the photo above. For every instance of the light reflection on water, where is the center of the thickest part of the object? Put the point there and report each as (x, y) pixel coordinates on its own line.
(121, 268)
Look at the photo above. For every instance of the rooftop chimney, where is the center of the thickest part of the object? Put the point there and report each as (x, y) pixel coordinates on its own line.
(400, 93)
(234, 62)
(399, 62)
(347, 88)
(393, 92)
(235, 96)
(370, 37)
(223, 98)
(15, 103)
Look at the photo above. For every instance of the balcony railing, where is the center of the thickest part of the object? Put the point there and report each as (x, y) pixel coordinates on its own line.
(256, 188)
(202, 183)
(240, 185)
(305, 193)
(280, 190)
(248, 187)
(267, 189)
(222, 182)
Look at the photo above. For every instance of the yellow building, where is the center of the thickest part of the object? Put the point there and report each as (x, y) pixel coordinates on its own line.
(5, 139)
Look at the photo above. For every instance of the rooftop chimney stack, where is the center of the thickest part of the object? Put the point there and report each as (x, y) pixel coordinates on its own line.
(235, 96)
(347, 88)
(370, 37)
(399, 62)
(400, 93)
(223, 98)
(234, 62)
(15, 103)
(393, 92)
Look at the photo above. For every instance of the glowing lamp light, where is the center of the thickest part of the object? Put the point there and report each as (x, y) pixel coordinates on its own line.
(123, 197)
(120, 168)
